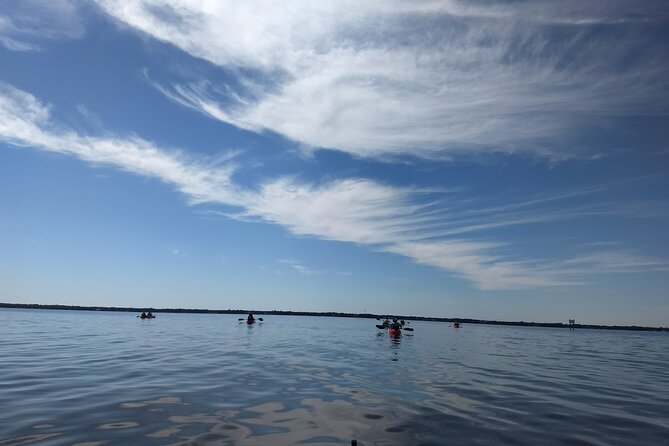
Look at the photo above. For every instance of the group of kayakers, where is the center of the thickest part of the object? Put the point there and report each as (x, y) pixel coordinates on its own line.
(398, 324)
(394, 328)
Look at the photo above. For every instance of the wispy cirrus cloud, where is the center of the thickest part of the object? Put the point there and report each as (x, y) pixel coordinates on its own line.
(25, 23)
(610, 261)
(305, 270)
(406, 221)
(24, 121)
(423, 78)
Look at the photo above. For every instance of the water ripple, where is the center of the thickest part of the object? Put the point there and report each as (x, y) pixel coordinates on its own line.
(96, 377)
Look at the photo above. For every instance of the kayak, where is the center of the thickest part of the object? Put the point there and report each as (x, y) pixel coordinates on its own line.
(147, 317)
(394, 332)
(250, 321)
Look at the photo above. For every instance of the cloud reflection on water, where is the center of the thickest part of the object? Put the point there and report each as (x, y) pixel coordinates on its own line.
(315, 421)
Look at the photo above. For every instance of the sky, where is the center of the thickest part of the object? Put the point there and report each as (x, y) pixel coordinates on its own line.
(485, 159)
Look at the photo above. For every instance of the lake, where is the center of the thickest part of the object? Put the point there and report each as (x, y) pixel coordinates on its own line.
(84, 377)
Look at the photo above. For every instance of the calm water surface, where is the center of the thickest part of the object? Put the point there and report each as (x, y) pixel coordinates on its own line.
(69, 377)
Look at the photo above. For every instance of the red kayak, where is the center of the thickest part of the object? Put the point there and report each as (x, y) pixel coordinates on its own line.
(394, 332)
(252, 321)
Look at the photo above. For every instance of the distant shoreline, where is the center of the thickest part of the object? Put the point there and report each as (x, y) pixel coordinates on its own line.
(332, 314)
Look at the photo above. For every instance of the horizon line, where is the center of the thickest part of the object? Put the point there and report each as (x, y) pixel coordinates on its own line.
(331, 314)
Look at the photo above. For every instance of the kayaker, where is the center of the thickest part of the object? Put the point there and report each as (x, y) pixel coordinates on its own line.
(143, 316)
(149, 314)
(250, 319)
(395, 329)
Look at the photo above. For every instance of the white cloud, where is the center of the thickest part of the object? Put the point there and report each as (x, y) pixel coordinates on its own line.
(403, 221)
(24, 23)
(297, 266)
(302, 269)
(475, 262)
(24, 121)
(425, 78)
(7, 30)
(352, 210)
(91, 118)
(612, 261)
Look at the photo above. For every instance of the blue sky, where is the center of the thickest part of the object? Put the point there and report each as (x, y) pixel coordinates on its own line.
(493, 160)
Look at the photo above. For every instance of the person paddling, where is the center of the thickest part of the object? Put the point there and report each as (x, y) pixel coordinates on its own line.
(395, 325)
(250, 319)
(395, 329)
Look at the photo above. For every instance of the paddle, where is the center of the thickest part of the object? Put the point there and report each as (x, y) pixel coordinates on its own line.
(243, 319)
(381, 327)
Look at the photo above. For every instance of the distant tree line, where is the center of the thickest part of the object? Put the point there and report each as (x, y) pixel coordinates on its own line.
(332, 314)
